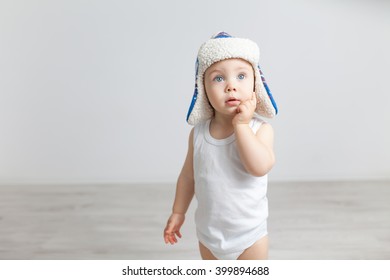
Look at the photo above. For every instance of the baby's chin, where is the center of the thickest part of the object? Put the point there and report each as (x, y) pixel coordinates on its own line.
(230, 112)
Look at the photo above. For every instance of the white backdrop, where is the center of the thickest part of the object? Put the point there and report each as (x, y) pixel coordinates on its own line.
(98, 91)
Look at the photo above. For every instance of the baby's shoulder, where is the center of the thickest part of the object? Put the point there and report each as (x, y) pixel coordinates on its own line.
(256, 118)
(256, 122)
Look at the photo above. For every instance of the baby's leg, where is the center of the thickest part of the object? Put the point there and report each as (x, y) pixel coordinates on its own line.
(206, 253)
(258, 251)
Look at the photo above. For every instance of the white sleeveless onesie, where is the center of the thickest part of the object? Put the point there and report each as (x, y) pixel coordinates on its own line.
(232, 204)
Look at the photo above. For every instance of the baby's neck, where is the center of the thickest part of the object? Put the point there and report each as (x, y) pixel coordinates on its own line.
(221, 127)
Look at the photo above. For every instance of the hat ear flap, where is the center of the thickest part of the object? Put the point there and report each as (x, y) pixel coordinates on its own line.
(195, 96)
(267, 90)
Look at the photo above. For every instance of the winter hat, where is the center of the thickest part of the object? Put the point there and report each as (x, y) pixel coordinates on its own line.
(219, 47)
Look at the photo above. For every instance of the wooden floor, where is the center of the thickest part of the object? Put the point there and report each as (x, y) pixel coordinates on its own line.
(318, 220)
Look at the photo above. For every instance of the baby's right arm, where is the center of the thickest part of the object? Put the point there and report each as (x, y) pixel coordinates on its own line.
(183, 197)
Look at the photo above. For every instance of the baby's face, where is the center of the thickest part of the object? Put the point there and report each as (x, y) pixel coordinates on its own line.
(228, 83)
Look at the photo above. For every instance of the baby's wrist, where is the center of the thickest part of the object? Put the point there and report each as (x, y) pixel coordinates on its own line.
(240, 125)
(178, 213)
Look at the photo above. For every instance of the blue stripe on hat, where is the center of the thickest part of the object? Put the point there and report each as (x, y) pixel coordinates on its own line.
(268, 90)
(195, 96)
(271, 98)
(222, 35)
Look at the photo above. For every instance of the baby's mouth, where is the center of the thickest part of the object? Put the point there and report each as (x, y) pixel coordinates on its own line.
(232, 101)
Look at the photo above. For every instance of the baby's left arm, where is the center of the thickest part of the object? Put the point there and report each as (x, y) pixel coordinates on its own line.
(256, 150)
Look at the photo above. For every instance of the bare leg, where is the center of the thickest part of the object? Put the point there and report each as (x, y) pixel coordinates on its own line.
(258, 251)
(206, 253)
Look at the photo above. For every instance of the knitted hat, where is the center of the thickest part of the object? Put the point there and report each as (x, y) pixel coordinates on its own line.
(219, 47)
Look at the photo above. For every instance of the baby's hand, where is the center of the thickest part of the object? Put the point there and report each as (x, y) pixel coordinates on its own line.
(172, 229)
(245, 111)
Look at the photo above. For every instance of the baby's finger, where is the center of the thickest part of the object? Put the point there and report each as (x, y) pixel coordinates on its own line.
(170, 239)
(166, 237)
(174, 238)
(253, 100)
(168, 231)
(178, 234)
(244, 106)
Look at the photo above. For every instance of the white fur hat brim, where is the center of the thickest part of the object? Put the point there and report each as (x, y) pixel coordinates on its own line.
(221, 47)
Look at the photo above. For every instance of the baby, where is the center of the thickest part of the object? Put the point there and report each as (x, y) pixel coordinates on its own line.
(230, 152)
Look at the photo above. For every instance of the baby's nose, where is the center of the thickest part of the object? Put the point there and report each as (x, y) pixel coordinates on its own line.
(230, 87)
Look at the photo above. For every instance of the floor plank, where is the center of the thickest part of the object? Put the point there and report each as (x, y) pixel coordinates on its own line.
(310, 220)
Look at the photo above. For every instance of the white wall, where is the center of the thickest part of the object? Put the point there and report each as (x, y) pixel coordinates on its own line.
(98, 91)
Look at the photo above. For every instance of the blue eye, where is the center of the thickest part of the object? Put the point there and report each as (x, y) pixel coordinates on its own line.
(241, 76)
(218, 79)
